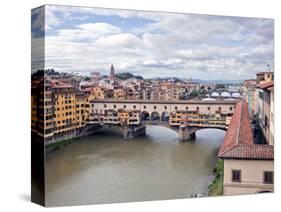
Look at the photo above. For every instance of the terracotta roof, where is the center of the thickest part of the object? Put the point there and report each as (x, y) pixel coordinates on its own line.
(265, 85)
(238, 142)
(60, 84)
(252, 151)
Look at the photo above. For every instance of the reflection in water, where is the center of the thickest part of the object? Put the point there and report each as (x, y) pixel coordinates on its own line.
(104, 168)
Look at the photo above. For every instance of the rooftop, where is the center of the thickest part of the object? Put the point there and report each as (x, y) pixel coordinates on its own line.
(264, 72)
(265, 85)
(239, 143)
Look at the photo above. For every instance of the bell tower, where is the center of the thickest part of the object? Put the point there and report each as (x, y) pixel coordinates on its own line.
(112, 71)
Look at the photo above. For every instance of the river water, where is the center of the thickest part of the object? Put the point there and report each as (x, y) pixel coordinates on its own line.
(104, 168)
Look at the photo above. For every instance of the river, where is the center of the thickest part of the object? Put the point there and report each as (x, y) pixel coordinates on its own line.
(104, 168)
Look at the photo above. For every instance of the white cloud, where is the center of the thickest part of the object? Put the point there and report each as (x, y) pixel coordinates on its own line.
(100, 28)
(124, 40)
(173, 44)
(51, 20)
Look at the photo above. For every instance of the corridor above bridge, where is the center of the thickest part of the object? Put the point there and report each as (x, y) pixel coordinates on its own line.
(203, 107)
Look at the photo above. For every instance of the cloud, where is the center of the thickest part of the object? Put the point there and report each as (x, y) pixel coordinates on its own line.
(168, 44)
(124, 40)
(100, 28)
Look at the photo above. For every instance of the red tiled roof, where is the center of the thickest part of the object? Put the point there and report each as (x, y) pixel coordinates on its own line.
(265, 85)
(60, 84)
(252, 151)
(238, 142)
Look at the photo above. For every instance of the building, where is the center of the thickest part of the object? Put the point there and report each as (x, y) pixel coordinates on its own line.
(82, 112)
(95, 77)
(129, 117)
(248, 90)
(248, 167)
(64, 107)
(265, 109)
(265, 76)
(119, 94)
(96, 93)
(193, 118)
(112, 72)
(41, 107)
(271, 121)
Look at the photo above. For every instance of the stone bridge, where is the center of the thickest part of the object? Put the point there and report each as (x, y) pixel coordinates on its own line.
(185, 117)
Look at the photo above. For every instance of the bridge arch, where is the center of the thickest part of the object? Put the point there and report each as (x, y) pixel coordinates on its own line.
(207, 128)
(165, 116)
(264, 191)
(145, 115)
(155, 116)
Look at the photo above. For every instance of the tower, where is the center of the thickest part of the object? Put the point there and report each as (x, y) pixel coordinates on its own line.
(112, 72)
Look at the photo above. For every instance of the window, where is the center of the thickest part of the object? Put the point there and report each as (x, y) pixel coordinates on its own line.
(268, 177)
(230, 108)
(134, 106)
(114, 106)
(144, 107)
(266, 121)
(155, 107)
(261, 95)
(165, 107)
(197, 108)
(209, 108)
(236, 175)
(186, 108)
(219, 108)
(176, 108)
(124, 106)
(104, 105)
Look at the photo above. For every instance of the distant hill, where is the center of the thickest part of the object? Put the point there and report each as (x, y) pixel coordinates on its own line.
(127, 75)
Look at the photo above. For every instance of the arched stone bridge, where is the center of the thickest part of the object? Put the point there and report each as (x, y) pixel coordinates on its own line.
(183, 116)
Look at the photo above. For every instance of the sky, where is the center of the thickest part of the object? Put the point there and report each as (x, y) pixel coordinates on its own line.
(151, 44)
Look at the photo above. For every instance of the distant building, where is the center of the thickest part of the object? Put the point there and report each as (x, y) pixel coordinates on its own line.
(249, 94)
(112, 72)
(95, 77)
(265, 107)
(264, 104)
(265, 76)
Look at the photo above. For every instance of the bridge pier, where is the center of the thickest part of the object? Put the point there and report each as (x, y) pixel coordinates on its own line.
(130, 132)
(186, 134)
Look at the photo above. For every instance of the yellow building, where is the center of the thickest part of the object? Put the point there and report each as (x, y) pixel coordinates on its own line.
(65, 107)
(265, 76)
(193, 118)
(97, 93)
(82, 112)
(129, 117)
(119, 93)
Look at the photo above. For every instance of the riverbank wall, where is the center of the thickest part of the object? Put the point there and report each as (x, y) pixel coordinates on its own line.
(58, 141)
